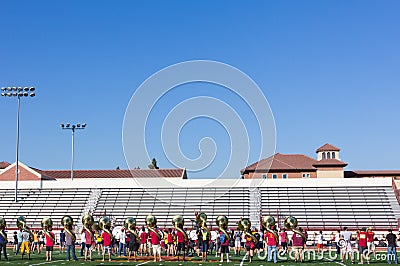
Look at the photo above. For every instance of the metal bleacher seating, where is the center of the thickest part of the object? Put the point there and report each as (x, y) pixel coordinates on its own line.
(36, 204)
(317, 204)
(138, 202)
(335, 207)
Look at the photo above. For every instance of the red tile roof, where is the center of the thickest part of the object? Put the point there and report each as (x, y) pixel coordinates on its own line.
(328, 147)
(4, 165)
(136, 173)
(330, 162)
(283, 162)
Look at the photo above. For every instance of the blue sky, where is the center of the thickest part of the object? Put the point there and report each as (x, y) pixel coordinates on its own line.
(329, 69)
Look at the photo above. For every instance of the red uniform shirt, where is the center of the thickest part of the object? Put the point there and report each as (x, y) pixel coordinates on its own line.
(88, 238)
(49, 242)
(154, 238)
(370, 237)
(298, 240)
(271, 241)
(283, 236)
(170, 239)
(106, 238)
(180, 237)
(362, 239)
(143, 237)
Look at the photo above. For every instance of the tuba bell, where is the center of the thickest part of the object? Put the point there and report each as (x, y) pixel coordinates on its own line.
(244, 225)
(3, 225)
(47, 226)
(68, 224)
(130, 226)
(151, 223)
(267, 223)
(222, 223)
(105, 225)
(178, 222)
(201, 220)
(21, 224)
(87, 222)
(291, 224)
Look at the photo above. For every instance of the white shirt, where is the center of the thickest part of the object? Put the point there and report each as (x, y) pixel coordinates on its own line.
(347, 236)
(83, 237)
(337, 237)
(320, 239)
(122, 238)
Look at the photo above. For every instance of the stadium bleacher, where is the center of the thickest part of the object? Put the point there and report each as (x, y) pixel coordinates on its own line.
(319, 204)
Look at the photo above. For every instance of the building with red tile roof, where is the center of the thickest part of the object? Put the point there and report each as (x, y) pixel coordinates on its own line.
(327, 164)
(27, 173)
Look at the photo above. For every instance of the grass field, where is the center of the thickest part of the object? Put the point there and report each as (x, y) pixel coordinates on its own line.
(60, 259)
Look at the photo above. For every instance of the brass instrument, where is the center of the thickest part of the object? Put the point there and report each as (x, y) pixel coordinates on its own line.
(3, 225)
(267, 223)
(244, 225)
(96, 227)
(178, 222)
(68, 223)
(21, 224)
(291, 224)
(130, 226)
(47, 226)
(201, 220)
(105, 225)
(87, 222)
(222, 223)
(151, 223)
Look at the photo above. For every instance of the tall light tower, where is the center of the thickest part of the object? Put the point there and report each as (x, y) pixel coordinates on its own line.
(73, 128)
(17, 92)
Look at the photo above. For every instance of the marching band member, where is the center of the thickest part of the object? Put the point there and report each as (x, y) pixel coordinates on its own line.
(88, 243)
(50, 239)
(272, 244)
(298, 245)
(3, 242)
(155, 243)
(143, 242)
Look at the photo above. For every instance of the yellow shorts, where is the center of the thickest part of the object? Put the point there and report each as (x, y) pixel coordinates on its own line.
(26, 246)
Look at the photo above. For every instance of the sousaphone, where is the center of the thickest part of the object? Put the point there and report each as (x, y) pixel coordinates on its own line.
(178, 222)
(222, 223)
(291, 224)
(68, 223)
(47, 226)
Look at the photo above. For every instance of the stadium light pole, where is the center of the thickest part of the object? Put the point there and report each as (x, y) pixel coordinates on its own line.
(72, 128)
(17, 92)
